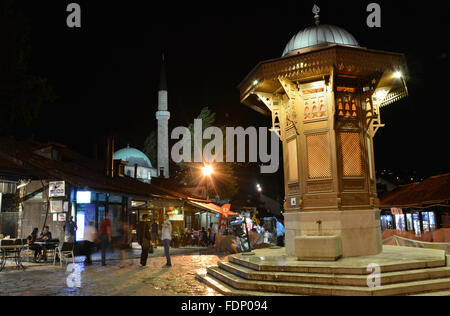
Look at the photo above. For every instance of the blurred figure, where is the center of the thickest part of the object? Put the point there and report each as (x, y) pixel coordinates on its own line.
(124, 241)
(187, 240)
(105, 236)
(90, 238)
(144, 238)
(31, 239)
(214, 229)
(209, 237)
(154, 233)
(203, 237)
(69, 229)
(166, 236)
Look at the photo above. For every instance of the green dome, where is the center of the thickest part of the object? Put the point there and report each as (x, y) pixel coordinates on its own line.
(133, 156)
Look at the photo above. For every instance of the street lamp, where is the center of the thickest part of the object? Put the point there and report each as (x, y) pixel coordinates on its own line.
(207, 170)
(398, 74)
(258, 188)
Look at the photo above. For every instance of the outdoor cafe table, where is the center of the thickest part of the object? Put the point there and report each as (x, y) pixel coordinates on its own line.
(16, 251)
(45, 244)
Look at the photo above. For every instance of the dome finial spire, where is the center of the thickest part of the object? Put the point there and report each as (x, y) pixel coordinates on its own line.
(316, 11)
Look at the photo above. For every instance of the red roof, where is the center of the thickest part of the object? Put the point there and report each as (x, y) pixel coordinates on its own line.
(434, 190)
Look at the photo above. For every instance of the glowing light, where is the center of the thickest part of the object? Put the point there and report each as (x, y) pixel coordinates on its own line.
(398, 74)
(208, 170)
(255, 82)
(83, 197)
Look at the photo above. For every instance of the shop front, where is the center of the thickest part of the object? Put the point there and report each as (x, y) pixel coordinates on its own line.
(91, 206)
(411, 220)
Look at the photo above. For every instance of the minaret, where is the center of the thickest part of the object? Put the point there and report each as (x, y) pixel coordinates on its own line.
(163, 117)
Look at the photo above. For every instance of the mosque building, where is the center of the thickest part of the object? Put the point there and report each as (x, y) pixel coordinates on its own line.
(137, 164)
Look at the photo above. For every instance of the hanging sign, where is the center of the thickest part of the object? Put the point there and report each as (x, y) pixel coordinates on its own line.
(57, 189)
(224, 211)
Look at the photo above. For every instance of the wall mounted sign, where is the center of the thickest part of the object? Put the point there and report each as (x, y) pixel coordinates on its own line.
(293, 201)
(56, 206)
(62, 217)
(176, 217)
(57, 189)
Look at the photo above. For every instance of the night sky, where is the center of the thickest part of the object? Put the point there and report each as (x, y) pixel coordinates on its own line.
(106, 73)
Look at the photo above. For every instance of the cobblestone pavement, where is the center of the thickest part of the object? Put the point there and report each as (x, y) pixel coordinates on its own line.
(112, 279)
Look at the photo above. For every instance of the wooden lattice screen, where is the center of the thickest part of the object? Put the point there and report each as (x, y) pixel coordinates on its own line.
(319, 165)
(351, 154)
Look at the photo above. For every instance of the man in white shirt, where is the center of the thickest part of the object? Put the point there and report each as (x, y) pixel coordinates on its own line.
(166, 236)
(90, 237)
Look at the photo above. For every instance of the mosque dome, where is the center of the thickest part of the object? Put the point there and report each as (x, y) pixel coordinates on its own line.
(318, 36)
(133, 156)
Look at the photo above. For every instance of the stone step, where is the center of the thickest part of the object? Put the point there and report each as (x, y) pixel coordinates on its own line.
(405, 288)
(440, 293)
(227, 290)
(334, 279)
(349, 266)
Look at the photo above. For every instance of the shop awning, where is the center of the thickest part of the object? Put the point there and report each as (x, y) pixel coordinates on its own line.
(211, 207)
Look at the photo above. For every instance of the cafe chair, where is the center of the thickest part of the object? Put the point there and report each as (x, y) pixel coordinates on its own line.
(27, 253)
(65, 252)
(51, 250)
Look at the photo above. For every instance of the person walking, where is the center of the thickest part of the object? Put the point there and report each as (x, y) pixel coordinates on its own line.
(90, 237)
(69, 229)
(143, 235)
(154, 233)
(105, 236)
(214, 231)
(124, 242)
(166, 236)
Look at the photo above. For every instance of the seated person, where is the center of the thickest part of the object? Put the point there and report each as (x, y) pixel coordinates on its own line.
(45, 235)
(30, 240)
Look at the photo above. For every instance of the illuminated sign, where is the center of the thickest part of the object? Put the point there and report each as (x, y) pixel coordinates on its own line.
(83, 197)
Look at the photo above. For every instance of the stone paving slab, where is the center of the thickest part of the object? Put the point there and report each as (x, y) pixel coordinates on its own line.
(118, 278)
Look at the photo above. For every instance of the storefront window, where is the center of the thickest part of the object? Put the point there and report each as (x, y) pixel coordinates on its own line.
(101, 197)
(409, 222)
(416, 222)
(115, 198)
(400, 222)
(425, 222)
(386, 222)
(432, 220)
(101, 213)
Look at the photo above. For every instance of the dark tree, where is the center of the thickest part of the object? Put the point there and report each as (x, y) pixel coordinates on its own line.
(21, 93)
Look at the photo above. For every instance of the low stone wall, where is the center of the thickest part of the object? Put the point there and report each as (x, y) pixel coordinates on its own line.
(439, 235)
